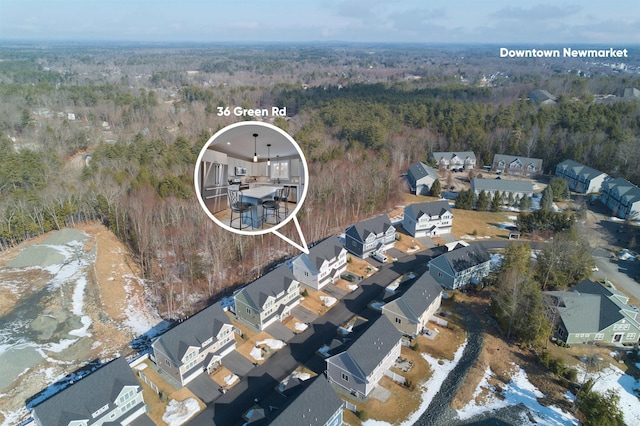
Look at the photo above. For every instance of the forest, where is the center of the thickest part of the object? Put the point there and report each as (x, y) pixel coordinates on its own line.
(112, 134)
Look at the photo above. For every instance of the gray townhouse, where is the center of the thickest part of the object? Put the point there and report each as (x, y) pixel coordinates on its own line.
(195, 345)
(109, 395)
(420, 178)
(411, 312)
(368, 236)
(268, 299)
(428, 219)
(317, 405)
(622, 198)
(362, 365)
(454, 161)
(506, 187)
(580, 178)
(514, 165)
(325, 262)
(461, 266)
(593, 312)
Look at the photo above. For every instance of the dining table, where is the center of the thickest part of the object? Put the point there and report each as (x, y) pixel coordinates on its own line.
(255, 196)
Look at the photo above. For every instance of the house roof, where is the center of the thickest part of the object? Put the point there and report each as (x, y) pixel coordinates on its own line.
(270, 284)
(526, 161)
(326, 250)
(193, 331)
(463, 258)
(580, 169)
(377, 225)
(502, 185)
(625, 189)
(368, 350)
(449, 155)
(540, 96)
(591, 307)
(83, 398)
(316, 404)
(420, 170)
(631, 92)
(417, 299)
(431, 209)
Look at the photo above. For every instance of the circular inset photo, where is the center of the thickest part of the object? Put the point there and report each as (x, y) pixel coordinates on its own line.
(251, 177)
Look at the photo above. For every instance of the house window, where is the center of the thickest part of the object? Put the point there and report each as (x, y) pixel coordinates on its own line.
(280, 169)
(631, 336)
(440, 274)
(100, 411)
(249, 311)
(126, 396)
(345, 377)
(166, 361)
(598, 336)
(398, 320)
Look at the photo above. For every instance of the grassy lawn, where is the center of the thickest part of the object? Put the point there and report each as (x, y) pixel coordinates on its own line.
(403, 401)
(157, 407)
(359, 267)
(448, 339)
(406, 243)
(313, 302)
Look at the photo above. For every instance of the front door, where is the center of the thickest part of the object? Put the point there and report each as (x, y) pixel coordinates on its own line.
(617, 337)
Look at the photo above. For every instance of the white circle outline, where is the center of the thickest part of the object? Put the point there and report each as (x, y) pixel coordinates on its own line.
(299, 202)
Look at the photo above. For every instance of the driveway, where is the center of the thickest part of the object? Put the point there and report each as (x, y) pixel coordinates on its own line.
(280, 331)
(303, 314)
(238, 364)
(333, 290)
(205, 388)
(620, 272)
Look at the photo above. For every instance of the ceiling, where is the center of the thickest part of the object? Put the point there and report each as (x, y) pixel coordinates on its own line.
(238, 142)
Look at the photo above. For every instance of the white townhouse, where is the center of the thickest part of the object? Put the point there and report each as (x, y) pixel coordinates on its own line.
(428, 219)
(325, 262)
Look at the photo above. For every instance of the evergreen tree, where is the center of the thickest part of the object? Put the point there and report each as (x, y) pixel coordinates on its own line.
(525, 203)
(496, 202)
(436, 188)
(546, 203)
(465, 200)
(483, 201)
(599, 409)
(559, 188)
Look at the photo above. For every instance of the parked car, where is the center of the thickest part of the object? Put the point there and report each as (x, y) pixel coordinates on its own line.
(380, 257)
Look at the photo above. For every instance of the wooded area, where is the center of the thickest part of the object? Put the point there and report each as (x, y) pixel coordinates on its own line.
(112, 134)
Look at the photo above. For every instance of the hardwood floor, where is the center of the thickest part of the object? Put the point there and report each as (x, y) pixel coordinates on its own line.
(224, 216)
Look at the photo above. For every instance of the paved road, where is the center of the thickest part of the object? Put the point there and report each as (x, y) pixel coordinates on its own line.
(617, 271)
(261, 381)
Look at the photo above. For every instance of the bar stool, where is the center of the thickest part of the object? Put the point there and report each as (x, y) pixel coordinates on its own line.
(284, 200)
(237, 206)
(272, 206)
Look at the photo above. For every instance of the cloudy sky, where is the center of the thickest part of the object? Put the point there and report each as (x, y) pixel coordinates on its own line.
(422, 21)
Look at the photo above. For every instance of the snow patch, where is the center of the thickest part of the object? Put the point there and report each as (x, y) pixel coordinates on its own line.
(328, 300)
(230, 379)
(256, 353)
(300, 326)
(178, 413)
(272, 343)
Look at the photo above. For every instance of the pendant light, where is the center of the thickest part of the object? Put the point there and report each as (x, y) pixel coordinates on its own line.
(255, 142)
(268, 154)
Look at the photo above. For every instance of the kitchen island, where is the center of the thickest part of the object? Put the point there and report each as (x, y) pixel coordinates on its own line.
(255, 196)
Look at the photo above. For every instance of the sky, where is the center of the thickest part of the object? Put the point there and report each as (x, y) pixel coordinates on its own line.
(397, 21)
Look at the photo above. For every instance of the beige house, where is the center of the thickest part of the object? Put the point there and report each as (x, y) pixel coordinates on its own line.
(323, 265)
(411, 312)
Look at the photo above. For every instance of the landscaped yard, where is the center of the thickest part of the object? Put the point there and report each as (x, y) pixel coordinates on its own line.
(359, 267)
(224, 377)
(158, 407)
(317, 301)
(407, 243)
(403, 400)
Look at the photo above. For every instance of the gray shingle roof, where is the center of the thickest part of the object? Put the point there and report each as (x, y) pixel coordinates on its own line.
(83, 398)
(464, 258)
(419, 170)
(432, 209)
(580, 169)
(502, 185)
(417, 299)
(270, 284)
(314, 406)
(588, 307)
(508, 159)
(540, 96)
(449, 155)
(366, 353)
(361, 230)
(325, 250)
(193, 331)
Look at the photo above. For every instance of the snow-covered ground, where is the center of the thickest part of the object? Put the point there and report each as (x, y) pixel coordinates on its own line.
(440, 370)
(178, 413)
(518, 391)
(300, 326)
(328, 300)
(626, 386)
(272, 343)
